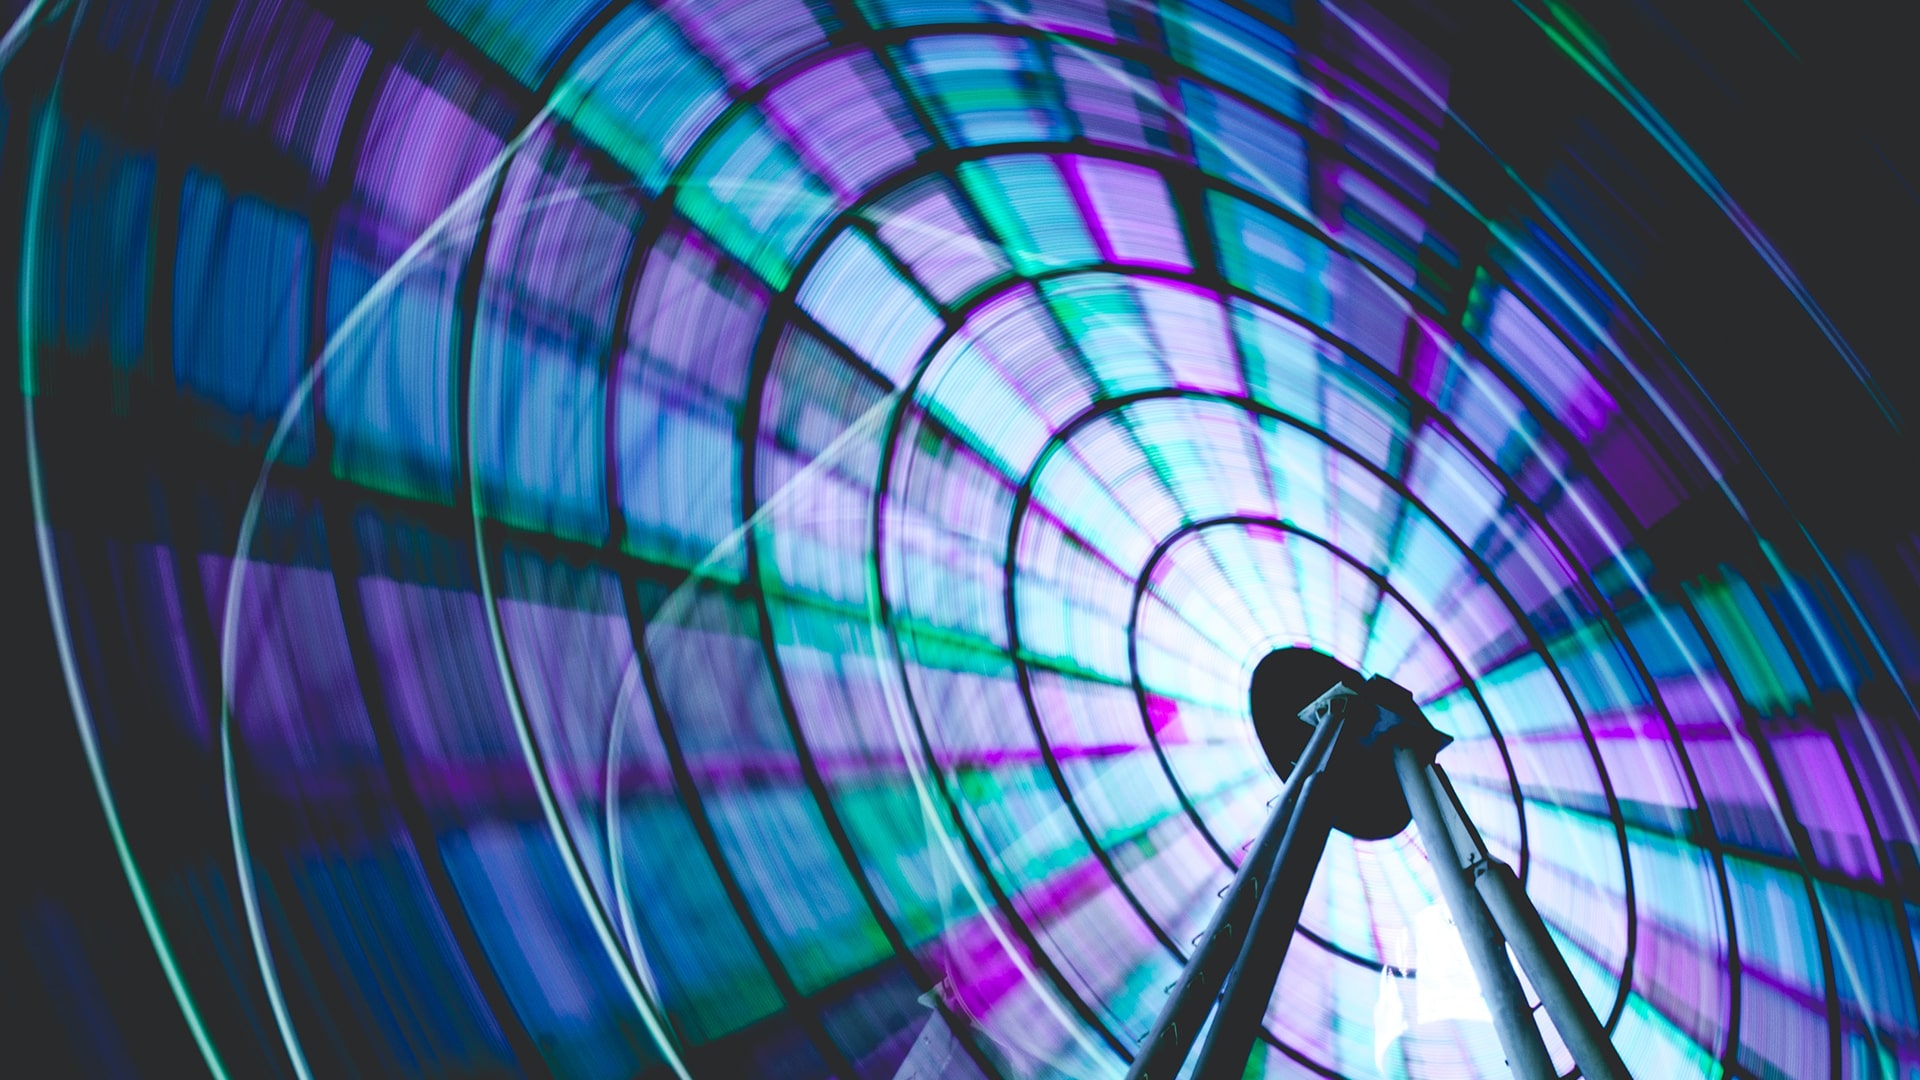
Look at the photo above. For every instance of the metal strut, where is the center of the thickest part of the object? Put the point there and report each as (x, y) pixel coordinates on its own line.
(1368, 769)
(1192, 995)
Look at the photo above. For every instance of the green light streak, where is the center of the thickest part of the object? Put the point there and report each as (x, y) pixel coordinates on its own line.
(1583, 47)
(50, 577)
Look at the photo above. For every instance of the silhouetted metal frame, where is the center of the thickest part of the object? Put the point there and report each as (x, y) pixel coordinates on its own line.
(1191, 998)
(1803, 864)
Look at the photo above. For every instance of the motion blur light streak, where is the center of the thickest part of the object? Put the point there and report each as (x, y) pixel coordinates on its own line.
(716, 538)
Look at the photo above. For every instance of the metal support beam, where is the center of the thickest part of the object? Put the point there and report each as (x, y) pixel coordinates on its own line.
(1540, 957)
(1572, 1014)
(1499, 987)
(1250, 985)
(1185, 1011)
(1366, 769)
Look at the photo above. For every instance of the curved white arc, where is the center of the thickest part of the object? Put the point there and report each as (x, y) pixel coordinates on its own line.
(250, 900)
(50, 564)
(616, 851)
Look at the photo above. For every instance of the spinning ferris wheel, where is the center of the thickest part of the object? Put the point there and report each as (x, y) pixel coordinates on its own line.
(719, 538)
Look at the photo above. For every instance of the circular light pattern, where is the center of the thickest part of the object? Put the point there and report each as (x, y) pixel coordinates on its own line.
(730, 538)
